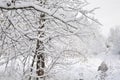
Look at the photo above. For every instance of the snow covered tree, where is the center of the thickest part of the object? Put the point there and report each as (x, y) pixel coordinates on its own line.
(113, 40)
(34, 34)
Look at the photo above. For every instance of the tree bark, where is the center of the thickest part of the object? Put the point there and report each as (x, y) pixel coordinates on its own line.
(39, 56)
(40, 64)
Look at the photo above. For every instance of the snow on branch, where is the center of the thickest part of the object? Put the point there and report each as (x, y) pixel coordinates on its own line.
(25, 5)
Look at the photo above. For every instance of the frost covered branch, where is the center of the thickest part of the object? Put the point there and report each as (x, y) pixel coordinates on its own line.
(26, 5)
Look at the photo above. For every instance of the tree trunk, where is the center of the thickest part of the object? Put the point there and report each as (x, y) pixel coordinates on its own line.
(40, 64)
(39, 56)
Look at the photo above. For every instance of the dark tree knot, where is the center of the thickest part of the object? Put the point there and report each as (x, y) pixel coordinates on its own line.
(8, 4)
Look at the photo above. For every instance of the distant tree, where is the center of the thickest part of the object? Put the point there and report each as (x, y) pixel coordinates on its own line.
(114, 40)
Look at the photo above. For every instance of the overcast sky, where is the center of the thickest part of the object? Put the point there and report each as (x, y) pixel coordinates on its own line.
(108, 14)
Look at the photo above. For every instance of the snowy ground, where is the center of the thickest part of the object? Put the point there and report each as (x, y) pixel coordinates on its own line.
(86, 70)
